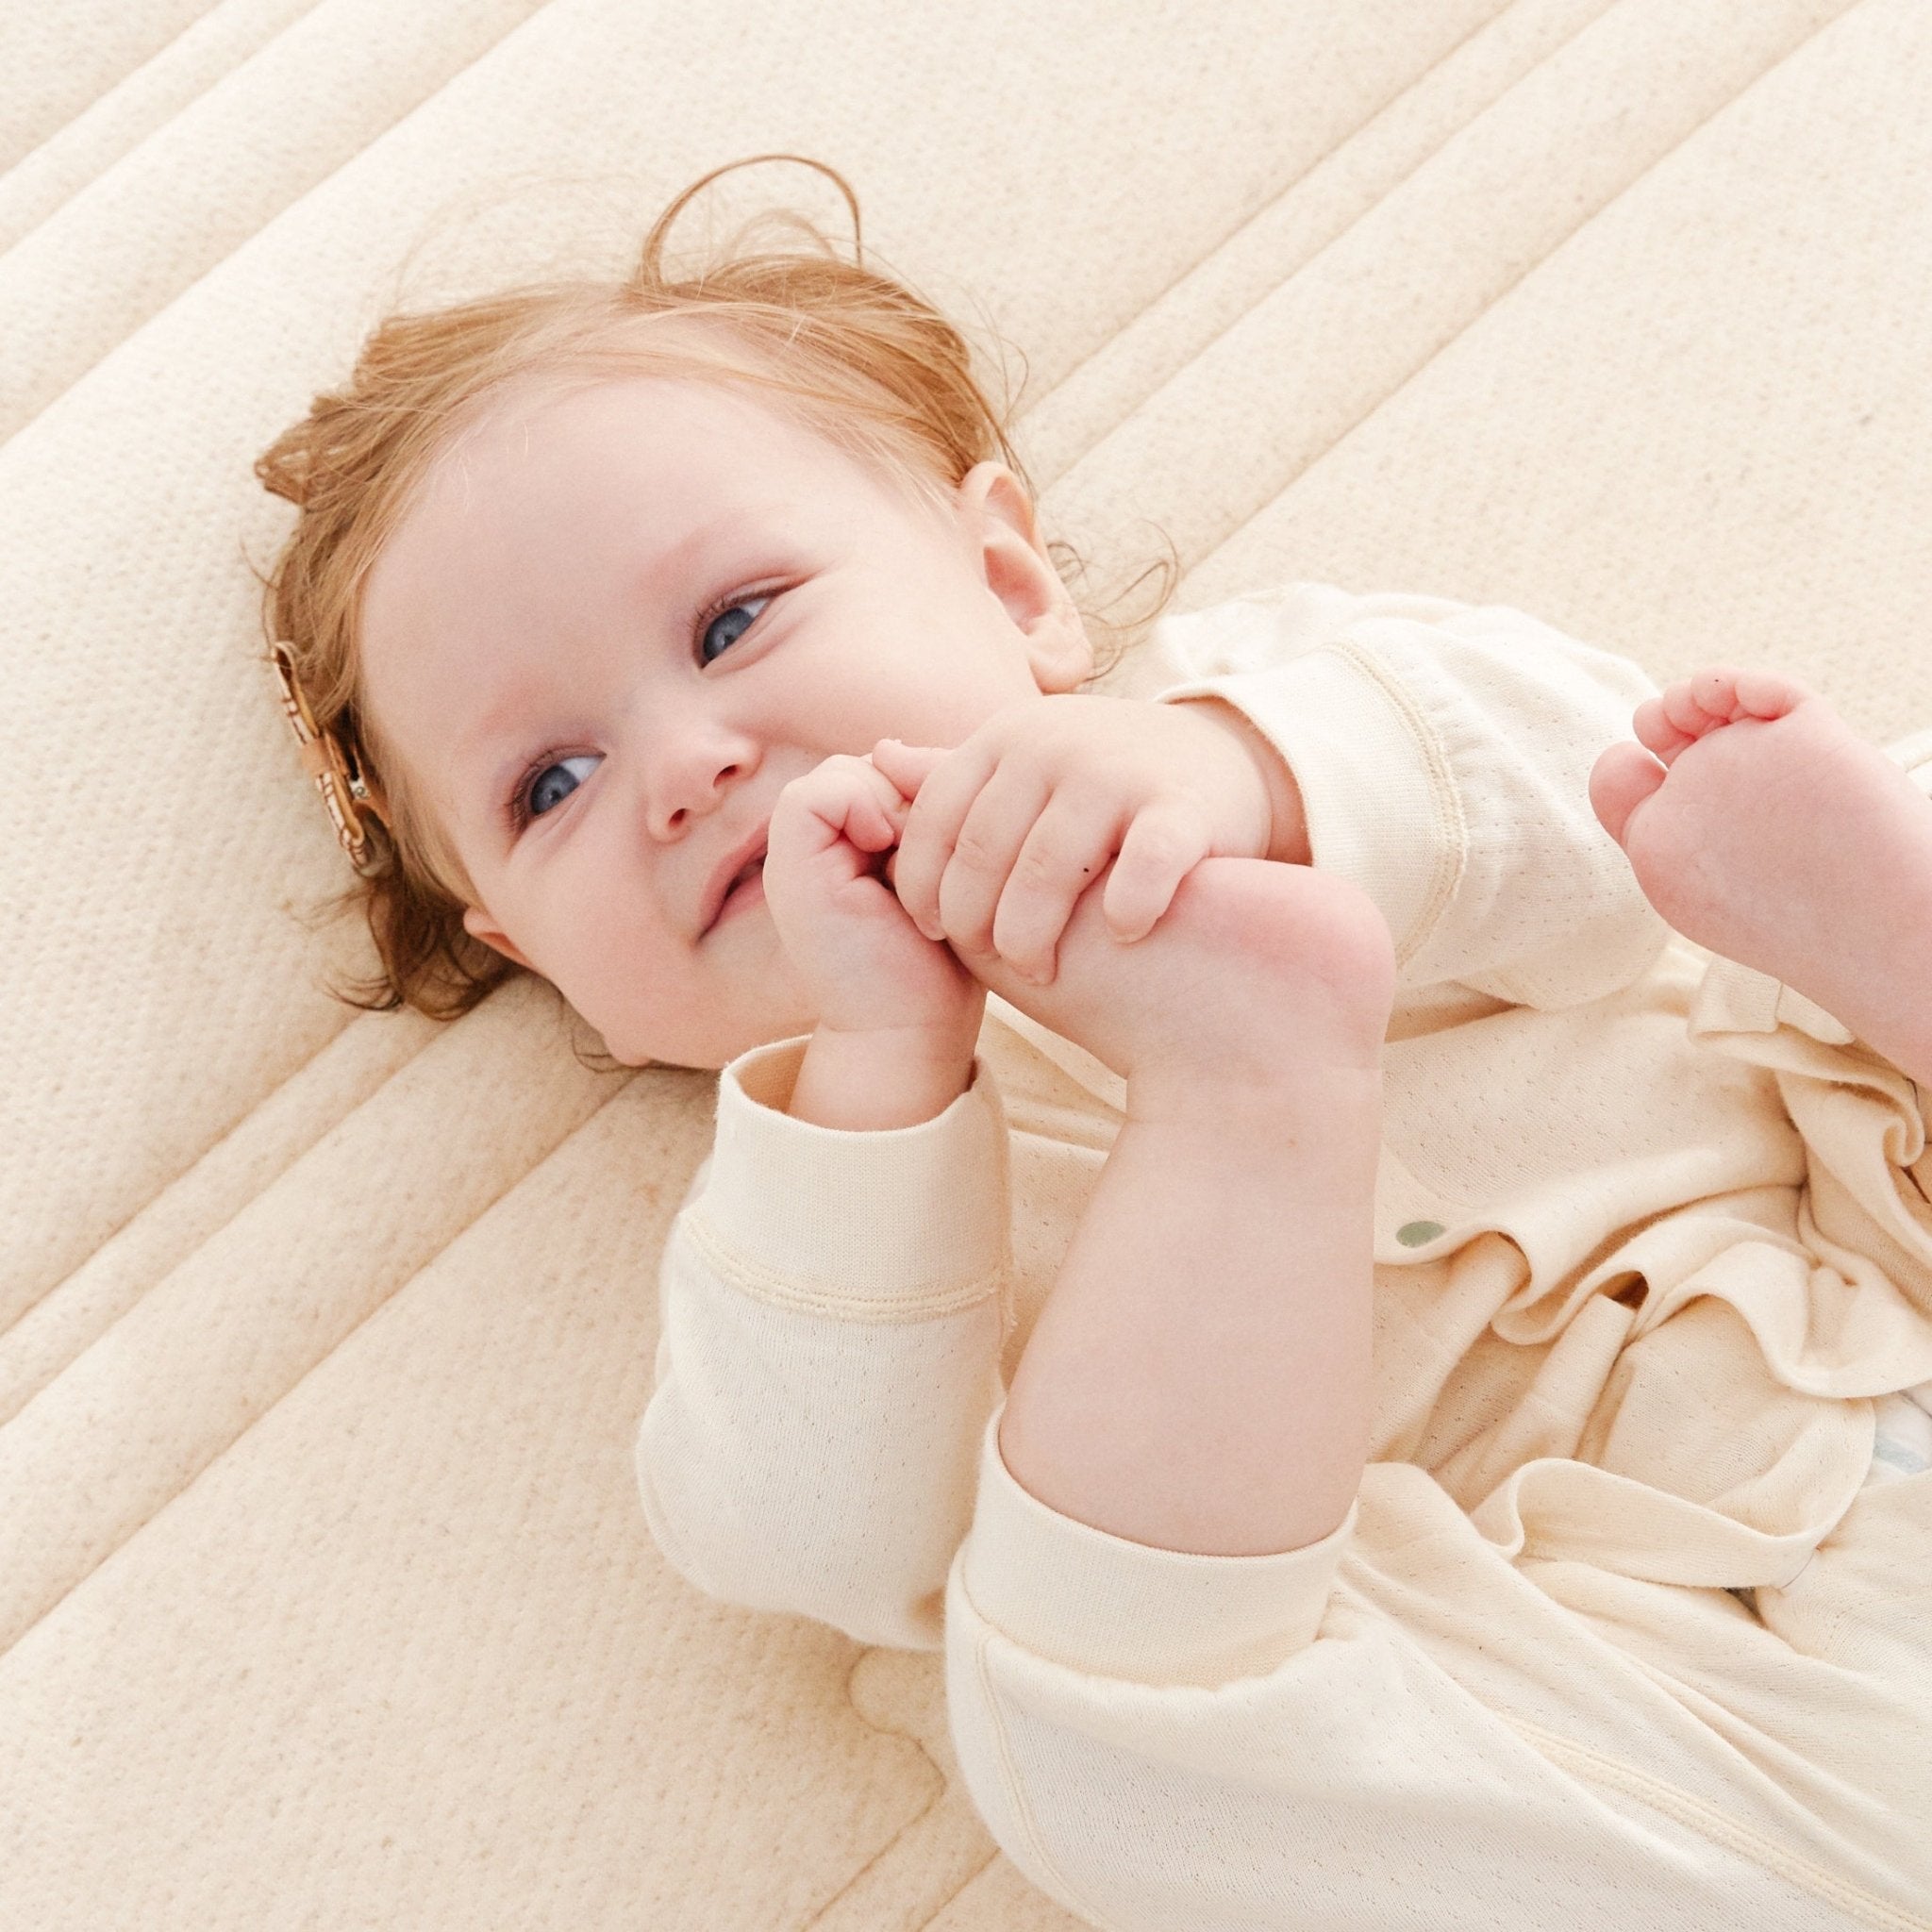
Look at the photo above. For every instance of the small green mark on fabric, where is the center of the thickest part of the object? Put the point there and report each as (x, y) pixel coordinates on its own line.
(1418, 1233)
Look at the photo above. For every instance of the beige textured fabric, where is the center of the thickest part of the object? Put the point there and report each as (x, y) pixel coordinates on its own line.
(324, 1337)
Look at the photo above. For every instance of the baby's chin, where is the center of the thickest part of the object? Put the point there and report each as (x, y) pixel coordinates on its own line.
(771, 1008)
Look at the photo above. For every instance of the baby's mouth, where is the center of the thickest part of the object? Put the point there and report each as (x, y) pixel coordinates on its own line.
(754, 868)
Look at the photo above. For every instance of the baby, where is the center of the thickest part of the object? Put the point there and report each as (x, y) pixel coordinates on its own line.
(529, 536)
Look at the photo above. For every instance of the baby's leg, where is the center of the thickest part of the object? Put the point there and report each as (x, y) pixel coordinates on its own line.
(1198, 1379)
(1775, 836)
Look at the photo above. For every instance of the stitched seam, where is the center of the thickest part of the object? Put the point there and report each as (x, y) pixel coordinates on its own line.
(1452, 827)
(219, 1455)
(767, 1285)
(921, 1819)
(1441, 348)
(1595, 1767)
(183, 104)
(268, 220)
(141, 63)
(1010, 1777)
(222, 1133)
(1274, 200)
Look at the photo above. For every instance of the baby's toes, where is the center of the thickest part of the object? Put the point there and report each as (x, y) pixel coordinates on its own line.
(1762, 692)
(1654, 724)
(1620, 781)
(1728, 695)
(1703, 701)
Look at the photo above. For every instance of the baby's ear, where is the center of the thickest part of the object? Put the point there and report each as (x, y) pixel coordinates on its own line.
(1012, 557)
(476, 924)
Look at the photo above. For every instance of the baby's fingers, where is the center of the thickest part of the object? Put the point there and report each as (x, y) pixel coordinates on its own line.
(948, 784)
(1164, 844)
(1065, 851)
(906, 765)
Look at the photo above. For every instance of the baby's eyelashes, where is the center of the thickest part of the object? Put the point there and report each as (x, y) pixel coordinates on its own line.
(540, 793)
(725, 623)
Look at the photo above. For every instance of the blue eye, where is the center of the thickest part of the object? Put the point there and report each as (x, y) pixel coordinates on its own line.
(548, 783)
(731, 622)
(544, 794)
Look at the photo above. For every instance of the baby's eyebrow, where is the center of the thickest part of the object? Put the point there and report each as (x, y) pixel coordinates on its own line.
(503, 724)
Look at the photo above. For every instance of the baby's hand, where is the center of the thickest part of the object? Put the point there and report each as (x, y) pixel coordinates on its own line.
(845, 935)
(1007, 831)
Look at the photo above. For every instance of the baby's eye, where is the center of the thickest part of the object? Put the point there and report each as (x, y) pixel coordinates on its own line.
(732, 623)
(543, 793)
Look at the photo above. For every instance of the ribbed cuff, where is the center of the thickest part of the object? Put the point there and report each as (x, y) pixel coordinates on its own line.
(1097, 1603)
(900, 1223)
(1740, 999)
(1376, 794)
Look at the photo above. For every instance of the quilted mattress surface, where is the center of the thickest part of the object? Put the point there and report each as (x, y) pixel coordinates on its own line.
(326, 1596)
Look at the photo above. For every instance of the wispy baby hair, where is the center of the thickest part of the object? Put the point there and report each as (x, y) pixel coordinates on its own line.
(853, 353)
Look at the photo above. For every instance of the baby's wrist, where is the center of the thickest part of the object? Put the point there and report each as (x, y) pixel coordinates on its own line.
(871, 1081)
(1287, 839)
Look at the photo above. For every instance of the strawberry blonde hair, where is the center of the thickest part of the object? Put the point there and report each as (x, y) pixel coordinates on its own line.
(853, 353)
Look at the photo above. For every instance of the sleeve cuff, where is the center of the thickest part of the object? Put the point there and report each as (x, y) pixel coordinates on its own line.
(1376, 791)
(1102, 1605)
(899, 1224)
(1740, 999)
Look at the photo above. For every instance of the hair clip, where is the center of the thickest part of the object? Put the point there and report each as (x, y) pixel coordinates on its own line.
(334, 765)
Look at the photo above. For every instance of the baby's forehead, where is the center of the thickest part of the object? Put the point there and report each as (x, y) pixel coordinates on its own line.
(611, 409)
(655, 424)
(574, 486)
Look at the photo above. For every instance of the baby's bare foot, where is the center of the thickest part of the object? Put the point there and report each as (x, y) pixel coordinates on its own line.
(1259, 976)
(1775, 836)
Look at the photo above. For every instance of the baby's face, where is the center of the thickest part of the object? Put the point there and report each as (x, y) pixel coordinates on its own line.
(615, 621)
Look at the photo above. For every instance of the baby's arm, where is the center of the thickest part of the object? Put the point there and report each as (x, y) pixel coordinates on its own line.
(1441, 754)
(832, 1290)
(831, 1322)
(1288, 841)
